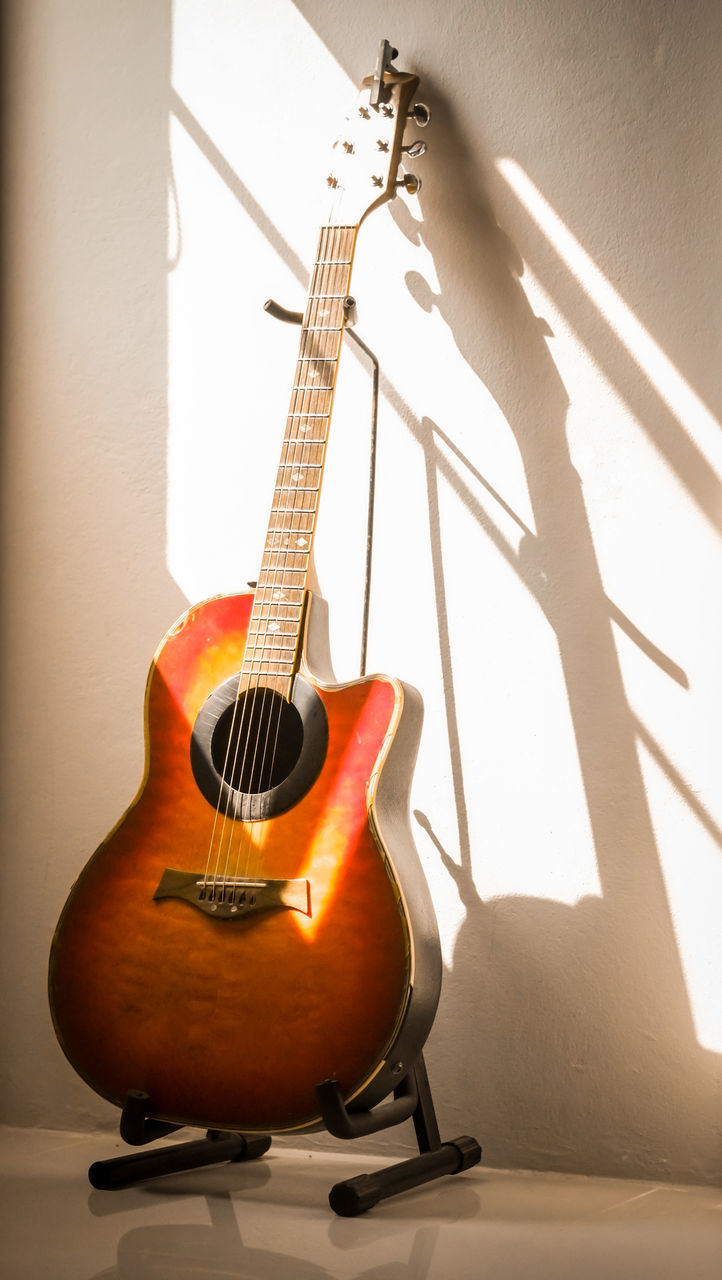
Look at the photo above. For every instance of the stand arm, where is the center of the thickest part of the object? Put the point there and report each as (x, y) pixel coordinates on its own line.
(356, 1124)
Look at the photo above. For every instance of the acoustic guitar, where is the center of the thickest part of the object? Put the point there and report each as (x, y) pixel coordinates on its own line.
(258, 922)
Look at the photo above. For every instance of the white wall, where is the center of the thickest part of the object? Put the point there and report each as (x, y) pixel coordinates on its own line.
(548, 509)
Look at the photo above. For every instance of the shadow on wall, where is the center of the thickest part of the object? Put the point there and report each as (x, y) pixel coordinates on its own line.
(86, 449)
(578, 1050)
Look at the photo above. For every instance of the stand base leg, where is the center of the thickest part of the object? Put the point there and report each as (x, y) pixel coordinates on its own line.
(412, 1099)
(357, 1195)
(215, 1148)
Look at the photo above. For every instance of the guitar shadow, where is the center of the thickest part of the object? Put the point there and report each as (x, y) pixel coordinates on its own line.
(564, 1037)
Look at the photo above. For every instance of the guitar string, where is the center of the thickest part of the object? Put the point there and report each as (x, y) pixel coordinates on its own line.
(258, 681)
(323, 282)
(270, 581)
(296, 465)
(330, 249)
(239, 732)
(304, 401)
(323, 287)
(277, 574)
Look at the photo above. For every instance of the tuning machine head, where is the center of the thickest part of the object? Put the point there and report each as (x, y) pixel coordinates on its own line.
(421, 114)
(415, 149)
(410, 183)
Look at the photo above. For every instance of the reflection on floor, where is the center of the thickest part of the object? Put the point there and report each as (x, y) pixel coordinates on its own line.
(271, 1219)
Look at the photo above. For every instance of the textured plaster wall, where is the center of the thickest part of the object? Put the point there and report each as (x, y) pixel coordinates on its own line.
(547, 557)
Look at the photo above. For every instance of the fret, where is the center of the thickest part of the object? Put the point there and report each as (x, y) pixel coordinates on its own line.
(263, 643)
(296, 488)
(282, 641)
(323, 328)
(309, 415)
(282, 568)
(266, 650)
(275, 586)
(334, 262)
(268, 638)
(272, 653)
(272, 615)
(311, 388)
(287, 568)
(272, 640)
(287, 552)
(265, 639)
(301, 440)
(282, 603)
(265, 618)
(279, 569)
(298, 509)
(278, 608)
(276, 547)
(299, 528)
(264, 666)
(267, 612)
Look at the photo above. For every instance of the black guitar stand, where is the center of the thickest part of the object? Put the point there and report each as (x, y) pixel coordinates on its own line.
(412, 1096)
(411, 1100)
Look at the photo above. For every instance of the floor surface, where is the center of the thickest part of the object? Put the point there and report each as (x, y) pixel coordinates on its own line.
(270, 1219)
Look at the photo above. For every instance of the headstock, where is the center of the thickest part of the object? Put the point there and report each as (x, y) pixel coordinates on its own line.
(367, 155)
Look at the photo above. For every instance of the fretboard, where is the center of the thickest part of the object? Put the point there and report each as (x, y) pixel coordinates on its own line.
(273, 645)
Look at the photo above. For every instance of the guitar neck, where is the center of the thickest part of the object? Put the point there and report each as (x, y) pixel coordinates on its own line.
(273, 646)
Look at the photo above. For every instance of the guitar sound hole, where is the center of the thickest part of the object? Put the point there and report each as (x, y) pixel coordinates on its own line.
(257, 741)
(255, 756)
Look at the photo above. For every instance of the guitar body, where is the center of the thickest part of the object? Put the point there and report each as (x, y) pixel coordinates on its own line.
(225, 1012)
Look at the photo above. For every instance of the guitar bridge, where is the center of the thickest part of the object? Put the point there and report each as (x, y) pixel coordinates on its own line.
(234, 897)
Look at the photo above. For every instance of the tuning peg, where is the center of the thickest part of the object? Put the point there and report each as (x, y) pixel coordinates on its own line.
(421, 114)
(415, 149)
(411, 183)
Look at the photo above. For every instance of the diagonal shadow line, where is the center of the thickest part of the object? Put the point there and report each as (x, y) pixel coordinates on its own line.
(683, 788)
(281, 246)
(435, 465)
(681, 453)
(228, 175)
(624, 623)
(681, 397)
(431, 461)
(657, 655)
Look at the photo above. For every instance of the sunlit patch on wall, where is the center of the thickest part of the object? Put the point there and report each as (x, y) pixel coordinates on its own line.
(247, 196)
(691, 861)
(701, 425)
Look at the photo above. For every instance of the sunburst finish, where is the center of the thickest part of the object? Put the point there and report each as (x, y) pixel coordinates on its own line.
(235, 1022)
(231, 1020)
